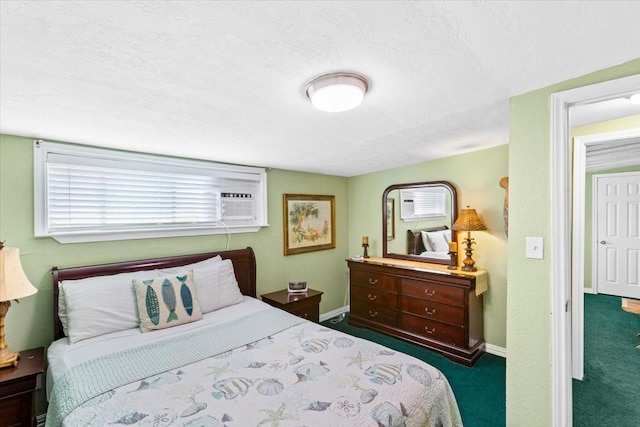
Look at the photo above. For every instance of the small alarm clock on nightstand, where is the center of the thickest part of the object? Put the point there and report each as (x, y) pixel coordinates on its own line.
(297, 287)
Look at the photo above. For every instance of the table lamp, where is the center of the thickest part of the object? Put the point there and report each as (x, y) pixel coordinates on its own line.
(468, 221)
(13, 285)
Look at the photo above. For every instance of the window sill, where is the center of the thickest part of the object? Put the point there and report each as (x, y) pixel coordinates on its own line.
(151, 234)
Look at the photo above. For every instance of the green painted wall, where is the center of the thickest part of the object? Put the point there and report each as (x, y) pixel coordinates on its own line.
(529, 295)
(29, 323)
(624, 123)
(475, 176)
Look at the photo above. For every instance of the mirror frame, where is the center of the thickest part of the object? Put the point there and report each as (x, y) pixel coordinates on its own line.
(454, 207)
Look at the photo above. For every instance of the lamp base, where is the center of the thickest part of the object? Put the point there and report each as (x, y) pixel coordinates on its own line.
(8, 358)
(468, 263)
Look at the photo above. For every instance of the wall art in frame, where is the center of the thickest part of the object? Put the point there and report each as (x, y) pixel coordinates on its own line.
(391, 218)
(309, 223)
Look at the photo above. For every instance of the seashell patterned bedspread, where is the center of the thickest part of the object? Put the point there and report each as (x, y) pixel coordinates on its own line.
(306, 375)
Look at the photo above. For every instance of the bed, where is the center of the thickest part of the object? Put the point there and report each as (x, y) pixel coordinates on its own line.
(241, 364)
(429, 242)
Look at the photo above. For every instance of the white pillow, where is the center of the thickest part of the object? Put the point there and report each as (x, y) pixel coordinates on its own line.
(425, 242)
(166, 301)
(216, 285)
(99, 305)
(200, 264)
(437, 241)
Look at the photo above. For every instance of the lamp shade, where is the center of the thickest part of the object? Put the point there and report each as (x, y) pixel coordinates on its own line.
(337, 92)
(14, 284)
(468, 220)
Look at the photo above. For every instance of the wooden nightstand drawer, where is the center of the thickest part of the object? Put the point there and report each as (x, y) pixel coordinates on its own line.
(309, 312)
(303, 304)
(17, 386)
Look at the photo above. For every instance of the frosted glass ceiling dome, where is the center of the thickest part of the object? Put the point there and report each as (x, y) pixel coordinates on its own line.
(337, 92)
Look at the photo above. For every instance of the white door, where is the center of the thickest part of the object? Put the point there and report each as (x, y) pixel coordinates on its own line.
(617, 236)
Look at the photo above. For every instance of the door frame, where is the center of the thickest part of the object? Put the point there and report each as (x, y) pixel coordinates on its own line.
(561, 214)
(580, 146)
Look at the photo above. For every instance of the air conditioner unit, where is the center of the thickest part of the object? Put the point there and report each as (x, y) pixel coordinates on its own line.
(237, 206)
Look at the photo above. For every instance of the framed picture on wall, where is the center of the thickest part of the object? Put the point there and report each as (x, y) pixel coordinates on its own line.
(309, 222)
(391, 218)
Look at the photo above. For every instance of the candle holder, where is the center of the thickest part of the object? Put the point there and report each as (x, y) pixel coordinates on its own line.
(453, 262)
(366, 253)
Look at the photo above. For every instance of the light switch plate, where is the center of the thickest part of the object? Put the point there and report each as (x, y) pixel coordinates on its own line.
(535, 247)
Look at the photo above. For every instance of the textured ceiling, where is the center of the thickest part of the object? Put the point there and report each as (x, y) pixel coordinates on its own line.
(225, 80)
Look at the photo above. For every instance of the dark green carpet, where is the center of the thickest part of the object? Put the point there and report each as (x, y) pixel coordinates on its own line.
(609, 395)
(480, 390)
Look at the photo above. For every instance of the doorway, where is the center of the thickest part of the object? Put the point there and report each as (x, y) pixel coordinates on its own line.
(562, 262)
(591, 153)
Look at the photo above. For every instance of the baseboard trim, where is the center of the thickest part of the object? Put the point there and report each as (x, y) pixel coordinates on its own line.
(334, 313)
(589, 291)
(495, 350)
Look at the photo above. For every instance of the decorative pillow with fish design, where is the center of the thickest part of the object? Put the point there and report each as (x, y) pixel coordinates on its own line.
(166, 301)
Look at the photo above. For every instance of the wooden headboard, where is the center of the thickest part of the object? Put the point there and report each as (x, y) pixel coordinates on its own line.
(244, 265)
(415, 246)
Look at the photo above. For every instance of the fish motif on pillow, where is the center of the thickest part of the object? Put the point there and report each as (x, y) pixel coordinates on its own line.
(169, 298)
(185, 295)
(151, 301)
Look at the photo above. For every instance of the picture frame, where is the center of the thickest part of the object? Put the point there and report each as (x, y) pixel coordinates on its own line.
(391, 218)
(309, 222)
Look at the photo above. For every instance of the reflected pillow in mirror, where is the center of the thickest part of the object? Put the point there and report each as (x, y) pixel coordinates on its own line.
(438, 241)
(425, 242)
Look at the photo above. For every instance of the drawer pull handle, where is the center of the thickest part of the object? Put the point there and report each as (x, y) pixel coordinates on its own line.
(430, 331)
(429, 293)
(372, 297)
(430, 313)
(373, 313)
(304, 315)
(373, 281)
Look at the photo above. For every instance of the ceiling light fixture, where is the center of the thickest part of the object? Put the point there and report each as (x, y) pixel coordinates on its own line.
(335, 92)
(635, 98)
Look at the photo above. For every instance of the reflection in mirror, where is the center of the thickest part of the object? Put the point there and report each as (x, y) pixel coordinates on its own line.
(417, 220)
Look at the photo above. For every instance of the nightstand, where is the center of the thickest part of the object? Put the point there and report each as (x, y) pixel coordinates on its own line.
(17, 386)
(301, 304)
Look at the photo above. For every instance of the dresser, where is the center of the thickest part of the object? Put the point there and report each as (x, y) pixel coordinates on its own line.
(425, 304)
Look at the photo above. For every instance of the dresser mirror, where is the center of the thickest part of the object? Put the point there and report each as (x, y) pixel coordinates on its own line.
(417, 220)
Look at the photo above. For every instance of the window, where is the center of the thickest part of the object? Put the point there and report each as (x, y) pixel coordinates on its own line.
(423, 203)
(90, 194)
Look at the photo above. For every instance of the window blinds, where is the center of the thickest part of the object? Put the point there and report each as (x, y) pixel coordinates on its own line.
(424, 203)
(83, 197)
(90, 191)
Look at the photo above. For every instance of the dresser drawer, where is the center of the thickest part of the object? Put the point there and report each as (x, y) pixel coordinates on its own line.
(433, 291)
(374, 280)
(433, 310)
(434, 330)
(375, 296)
(374, 313)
